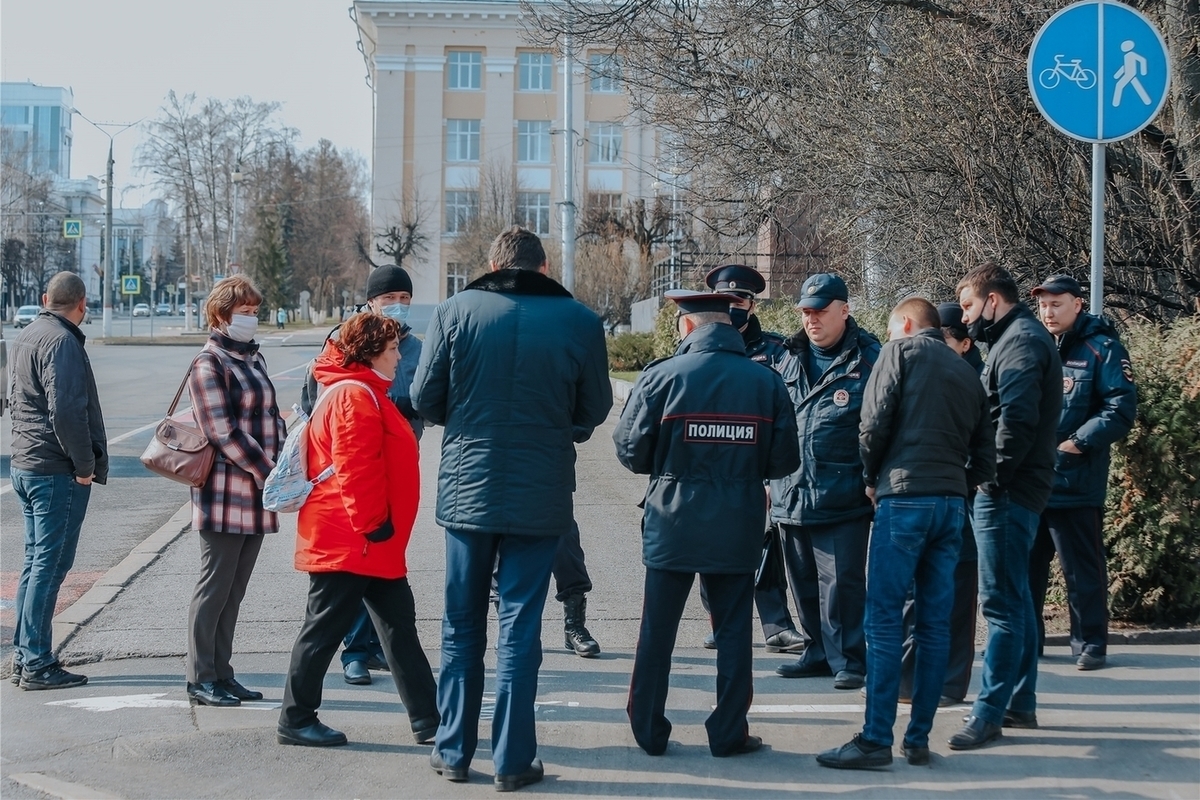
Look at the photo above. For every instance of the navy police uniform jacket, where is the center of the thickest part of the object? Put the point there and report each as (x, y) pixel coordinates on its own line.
(1099, 404)
(763, 346)
(828, 487)
(709, 426)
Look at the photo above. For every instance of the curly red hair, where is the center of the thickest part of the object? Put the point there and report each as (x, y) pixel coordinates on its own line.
(365, 336)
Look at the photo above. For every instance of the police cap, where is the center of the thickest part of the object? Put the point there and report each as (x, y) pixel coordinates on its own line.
(822, 289)
(690, 302)
(736, 279)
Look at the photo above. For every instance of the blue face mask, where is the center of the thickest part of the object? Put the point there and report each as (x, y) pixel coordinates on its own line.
(396, 311)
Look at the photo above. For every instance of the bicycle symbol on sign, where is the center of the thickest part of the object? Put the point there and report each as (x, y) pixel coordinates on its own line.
(1071, 70)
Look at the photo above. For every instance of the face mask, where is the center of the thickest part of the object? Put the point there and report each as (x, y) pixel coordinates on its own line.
(396, 311)
(977, 330)
(739, 316)
(241, 327)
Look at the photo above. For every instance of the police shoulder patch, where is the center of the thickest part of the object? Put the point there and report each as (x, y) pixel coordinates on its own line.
(1127, 369)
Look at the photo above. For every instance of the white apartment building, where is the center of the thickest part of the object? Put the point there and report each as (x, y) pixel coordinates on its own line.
(459, 94)
(38, 123)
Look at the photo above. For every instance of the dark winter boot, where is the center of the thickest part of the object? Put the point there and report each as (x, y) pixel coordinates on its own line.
(576, 635)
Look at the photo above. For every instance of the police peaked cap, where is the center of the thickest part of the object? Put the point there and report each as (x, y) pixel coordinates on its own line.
(690, 302)
(736, 279)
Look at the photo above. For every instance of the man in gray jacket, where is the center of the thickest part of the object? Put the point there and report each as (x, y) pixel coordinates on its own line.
(59, 449)
(517, 372)
(925, 438)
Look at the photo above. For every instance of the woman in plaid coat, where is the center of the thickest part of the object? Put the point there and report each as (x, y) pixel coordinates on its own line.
(234, 404)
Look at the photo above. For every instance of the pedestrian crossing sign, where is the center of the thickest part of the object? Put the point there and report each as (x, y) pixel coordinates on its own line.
(131, 284)
(72, 229)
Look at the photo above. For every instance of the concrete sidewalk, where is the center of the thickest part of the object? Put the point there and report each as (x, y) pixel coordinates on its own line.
(1132, 730)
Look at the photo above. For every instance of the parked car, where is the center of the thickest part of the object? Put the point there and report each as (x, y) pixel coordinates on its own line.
(26, 315)
(141, 310)
(162, 310)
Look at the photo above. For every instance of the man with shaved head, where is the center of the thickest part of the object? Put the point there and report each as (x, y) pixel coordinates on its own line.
(59, 450)
(925, 437)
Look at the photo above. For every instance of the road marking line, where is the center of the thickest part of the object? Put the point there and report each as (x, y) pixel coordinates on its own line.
(64, 790)
(130, 434)
(100, 705)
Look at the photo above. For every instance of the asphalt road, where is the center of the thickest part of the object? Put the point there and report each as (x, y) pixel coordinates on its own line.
(136, 384)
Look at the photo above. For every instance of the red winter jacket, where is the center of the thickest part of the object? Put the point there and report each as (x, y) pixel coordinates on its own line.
(374, 453)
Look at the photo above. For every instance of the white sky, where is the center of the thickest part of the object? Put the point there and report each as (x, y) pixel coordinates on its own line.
(121, 57)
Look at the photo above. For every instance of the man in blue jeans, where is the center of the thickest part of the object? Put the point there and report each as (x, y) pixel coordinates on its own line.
(1023, 381)
(925, 438)
(59, 449)
(517, 372)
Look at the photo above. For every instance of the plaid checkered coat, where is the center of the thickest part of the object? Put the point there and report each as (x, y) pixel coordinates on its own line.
(233, 401)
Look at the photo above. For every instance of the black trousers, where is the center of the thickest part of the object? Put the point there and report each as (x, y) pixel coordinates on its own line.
(1077, 535)
(334, 599)
(570, 572)
(731, 598)
(963, 615)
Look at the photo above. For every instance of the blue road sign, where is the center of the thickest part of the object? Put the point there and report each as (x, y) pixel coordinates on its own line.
(1098, 71)
(131, 284)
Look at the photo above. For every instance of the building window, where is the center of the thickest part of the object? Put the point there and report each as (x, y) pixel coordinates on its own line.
(607, 203)
(605, 72)
(466, 69)
(533, 211)
(533, 141)
(604, 142)
(536, 72)
(461, 208)
(462, 140)
(456, 279)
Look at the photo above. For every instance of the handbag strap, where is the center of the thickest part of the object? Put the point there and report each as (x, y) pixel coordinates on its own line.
(183, 383)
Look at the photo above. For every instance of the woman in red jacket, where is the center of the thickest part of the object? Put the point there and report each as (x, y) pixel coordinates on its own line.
(353, 531)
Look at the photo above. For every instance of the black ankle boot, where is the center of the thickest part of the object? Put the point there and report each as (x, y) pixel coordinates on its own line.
(575, 632)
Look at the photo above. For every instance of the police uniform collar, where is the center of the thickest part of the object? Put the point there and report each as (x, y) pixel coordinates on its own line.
(753, 332)
(711, 337)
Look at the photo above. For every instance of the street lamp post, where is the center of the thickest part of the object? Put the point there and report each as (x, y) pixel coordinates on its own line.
(106, 271)
(237, 178)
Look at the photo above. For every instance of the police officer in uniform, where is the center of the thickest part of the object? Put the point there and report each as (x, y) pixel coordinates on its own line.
(1099, 404)
(765, 347)
(708, 426)
(822, 508)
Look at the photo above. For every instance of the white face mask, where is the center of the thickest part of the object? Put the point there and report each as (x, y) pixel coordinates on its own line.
(242, 327)
(396, 311)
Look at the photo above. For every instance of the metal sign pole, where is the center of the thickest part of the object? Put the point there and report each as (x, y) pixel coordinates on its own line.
(1098, 169)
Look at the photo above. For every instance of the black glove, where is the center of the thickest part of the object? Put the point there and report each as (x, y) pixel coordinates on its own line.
(382, 533)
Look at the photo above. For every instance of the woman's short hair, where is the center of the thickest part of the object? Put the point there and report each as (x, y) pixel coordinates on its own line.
(228, 294)
(365, 336)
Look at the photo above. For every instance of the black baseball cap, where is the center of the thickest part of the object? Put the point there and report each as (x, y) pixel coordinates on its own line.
(1059, 284)
(951, 315)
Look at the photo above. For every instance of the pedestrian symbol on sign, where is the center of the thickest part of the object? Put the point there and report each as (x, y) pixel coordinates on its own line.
(72, 229)
(131, 284)
(1127, 75)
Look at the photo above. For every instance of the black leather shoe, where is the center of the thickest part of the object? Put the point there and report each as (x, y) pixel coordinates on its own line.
(210, 694)
(454, 774)
(858, 753)
(803, 669)
(576, 636)
(232, 686)
(748, 745)
(849, 680)
(785, 642)
(378, 664)
(510, 783)
(356, 672)
(917, 756)
(424, 730)
(710, 642)
(315, 735)
(1020, 719)
(1090, 661)
(976, 733)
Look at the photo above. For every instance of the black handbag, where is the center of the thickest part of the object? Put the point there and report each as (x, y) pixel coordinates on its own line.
(772, 573)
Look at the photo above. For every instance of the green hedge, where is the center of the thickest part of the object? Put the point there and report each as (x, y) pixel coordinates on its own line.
(1152, 518)
(630, 352)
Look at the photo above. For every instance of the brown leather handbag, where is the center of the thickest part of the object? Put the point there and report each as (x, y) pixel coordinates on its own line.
(180, 450)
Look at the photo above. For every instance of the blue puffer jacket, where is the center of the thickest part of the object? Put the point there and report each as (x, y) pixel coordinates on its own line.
(829, 486)
(1099, 404)
(709, 426)
(517, 371)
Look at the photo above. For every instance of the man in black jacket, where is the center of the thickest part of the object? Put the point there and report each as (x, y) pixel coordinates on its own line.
(59, 449)
(925, 438)
(1023, 379)
(708, 425)
(1099, 405)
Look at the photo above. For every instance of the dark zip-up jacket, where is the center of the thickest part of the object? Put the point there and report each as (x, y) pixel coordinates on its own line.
(57, 426)
(517, 371)
(1099, 405)
(926, 427)
(762, 346)
(828, 486)
(1023, 378)
(709, 426)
